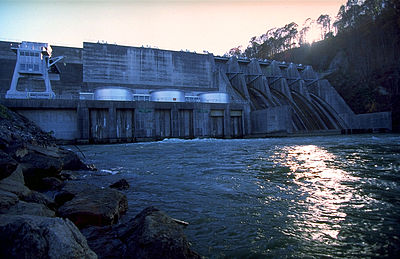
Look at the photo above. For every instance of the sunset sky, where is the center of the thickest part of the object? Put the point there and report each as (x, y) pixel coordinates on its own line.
(196, 25)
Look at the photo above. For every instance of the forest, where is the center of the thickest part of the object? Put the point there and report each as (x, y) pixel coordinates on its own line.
(359, 48)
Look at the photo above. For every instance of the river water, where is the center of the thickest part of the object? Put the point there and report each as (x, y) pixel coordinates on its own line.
(313, 197)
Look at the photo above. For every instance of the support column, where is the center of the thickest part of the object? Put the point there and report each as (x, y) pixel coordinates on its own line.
(196, 112)
(227, 122)
(83, 122)
(112, 123)
(246, 118)
(174, 121)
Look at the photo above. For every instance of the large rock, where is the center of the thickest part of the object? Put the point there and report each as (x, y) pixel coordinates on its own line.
(13, 189)
(120, 185)
(15, 184)
(28, 208)
(7, 165)
(71, 161)
(41, 237)
(91, 205)
(151, 234)
(16, 130)
(38, 197)
(38, 166)
(51, 184)
(7, 199)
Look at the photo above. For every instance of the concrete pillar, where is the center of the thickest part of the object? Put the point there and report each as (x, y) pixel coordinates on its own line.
(112, 123)
(135, 122)
(246, 118)
(196, 113)
(227, 122)
(83, 121)
(174, 121)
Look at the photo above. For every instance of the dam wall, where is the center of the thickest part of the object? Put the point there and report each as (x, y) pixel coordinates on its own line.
(378, 121)
(271, 120)
(106, 64)
(262, 96)
(111, 121)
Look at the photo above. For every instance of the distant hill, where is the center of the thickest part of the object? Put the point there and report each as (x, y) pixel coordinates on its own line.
(363, 58)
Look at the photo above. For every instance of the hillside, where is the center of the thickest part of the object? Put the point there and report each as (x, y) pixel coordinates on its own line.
(363, 57)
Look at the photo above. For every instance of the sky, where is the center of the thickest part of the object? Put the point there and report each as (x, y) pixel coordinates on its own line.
(194, 25)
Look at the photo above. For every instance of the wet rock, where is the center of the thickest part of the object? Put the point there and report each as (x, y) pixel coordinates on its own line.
(51, 183)
(38, 197)
(68, 175)
(151, 234)
(38, 166)
(28, 208)
(7, 165)
(62, 197)
(120, 185)
(12, 189)
(71, 161)
(91, 205)
(16, 129)
(15, 184)
(106, 242)
(41, 237)
(49, 151)
(7, 199)
(71, 189)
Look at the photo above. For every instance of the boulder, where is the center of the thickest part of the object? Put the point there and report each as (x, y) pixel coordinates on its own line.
(7, 165)
(7, 199)
(151, 234)
(15, 183)
(51, 184)
(91, 205)
(13, 189)
(70, 190)
(71, 161)
(106, 242)
(38, 166)
(69, 175)
(120, 185)
(15, 128)
(26, 236)
(28, 208)
(38, 197)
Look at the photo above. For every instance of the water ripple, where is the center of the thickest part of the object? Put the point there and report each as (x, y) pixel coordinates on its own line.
(336, 196)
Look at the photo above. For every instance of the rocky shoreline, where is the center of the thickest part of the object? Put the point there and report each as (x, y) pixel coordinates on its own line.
(44, 213)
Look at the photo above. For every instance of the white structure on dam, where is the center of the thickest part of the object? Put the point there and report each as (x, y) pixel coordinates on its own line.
(33, 64)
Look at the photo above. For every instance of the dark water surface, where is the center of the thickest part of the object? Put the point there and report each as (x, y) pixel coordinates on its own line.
(335, 196)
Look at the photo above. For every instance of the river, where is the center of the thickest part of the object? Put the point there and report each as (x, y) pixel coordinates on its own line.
(331, 196)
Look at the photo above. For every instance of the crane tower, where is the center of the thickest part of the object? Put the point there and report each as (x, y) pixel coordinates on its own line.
(33, 62)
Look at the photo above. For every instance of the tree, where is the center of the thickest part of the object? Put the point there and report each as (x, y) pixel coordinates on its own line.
(237, 51)
(302, 36)
(325, 23)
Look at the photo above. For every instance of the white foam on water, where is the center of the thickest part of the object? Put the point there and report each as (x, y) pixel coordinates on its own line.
(109, 171)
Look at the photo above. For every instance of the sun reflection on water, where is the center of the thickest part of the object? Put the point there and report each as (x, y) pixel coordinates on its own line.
(325, 192)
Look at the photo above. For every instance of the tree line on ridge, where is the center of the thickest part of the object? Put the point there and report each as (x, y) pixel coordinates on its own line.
(360, 48)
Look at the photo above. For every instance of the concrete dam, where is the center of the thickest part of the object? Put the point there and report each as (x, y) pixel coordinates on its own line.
(111, 93)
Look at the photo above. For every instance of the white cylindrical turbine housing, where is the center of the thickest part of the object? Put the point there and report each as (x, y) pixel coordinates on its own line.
(113, 94)
(167, 96)
(215, 97)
